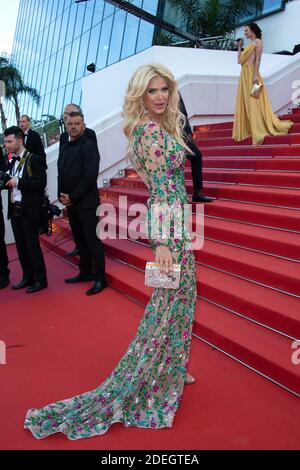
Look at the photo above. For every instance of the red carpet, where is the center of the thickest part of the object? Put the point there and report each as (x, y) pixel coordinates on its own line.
(61, 343)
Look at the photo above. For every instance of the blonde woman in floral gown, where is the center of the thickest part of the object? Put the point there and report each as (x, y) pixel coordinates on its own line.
(146, 387)
(254, 116)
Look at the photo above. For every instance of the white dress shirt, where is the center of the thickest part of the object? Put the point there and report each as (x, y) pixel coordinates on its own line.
(16, 195)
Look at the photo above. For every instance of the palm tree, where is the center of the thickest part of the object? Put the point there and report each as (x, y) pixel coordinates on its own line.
(206, 18)
(14, 85)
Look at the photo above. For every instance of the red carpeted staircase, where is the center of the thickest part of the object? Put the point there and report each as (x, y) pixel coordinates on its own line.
(248, 271)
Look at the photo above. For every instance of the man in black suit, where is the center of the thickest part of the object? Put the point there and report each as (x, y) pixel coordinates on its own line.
(78, 168)
(32, 139)
(196, 158)
(89, 133)
(4, 271)
(26, 192)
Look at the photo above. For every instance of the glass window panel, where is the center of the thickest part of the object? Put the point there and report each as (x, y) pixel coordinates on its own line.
(145, 37)
(56, 74)
(137, 3)
(61, 5)
(44, 43)
(98, 12)
(73, 60)
(79, 19)
(150, 6)
(64, 69)
(77, 92)
(108, 10)
(60, 102)
(271, 5)
(44, 77)
(68, 93)
(50, 39)
(39, 77)
(82, 55)
(56, 34)
(117, 37)
(63, 30)
(50, 73)
(93, 45)
(45, 107)
(72, 20)
(88, 15)
(52, 103)
(48, 18)
(130, 37)
(104, 43)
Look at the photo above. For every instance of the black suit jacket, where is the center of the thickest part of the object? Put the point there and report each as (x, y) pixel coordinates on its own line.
(187, 128)
(2, 168)
(34, 143)
(89, 133)
(78, 168)
(32, 188)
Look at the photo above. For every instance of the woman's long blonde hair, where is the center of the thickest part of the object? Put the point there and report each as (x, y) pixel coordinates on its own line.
(134, 110)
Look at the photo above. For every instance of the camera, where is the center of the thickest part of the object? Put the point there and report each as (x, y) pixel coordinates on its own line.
(4, 178)
(48, 212)
(54, 210)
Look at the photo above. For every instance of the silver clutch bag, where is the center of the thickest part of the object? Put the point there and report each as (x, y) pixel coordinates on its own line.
(256, 90)
(155, 278)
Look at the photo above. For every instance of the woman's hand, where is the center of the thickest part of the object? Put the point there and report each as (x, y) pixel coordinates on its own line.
(255, 80)
(163, 257)
(240, 43)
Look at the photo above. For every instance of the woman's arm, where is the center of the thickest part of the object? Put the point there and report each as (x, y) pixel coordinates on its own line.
(239, 50)
(258, 54)
(153, 141)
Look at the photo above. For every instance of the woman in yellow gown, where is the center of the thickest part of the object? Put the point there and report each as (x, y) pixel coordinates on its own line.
(254, 116)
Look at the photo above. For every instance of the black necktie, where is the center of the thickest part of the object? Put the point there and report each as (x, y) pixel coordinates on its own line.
(16, 158)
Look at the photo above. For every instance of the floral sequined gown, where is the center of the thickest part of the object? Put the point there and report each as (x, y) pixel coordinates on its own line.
(146, 387)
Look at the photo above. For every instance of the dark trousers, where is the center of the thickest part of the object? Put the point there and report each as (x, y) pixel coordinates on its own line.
(83, 223)
(26, 233)
(196, 164)
(4, 271)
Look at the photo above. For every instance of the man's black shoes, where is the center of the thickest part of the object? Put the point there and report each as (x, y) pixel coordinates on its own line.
(79, 278)
(36, 286)
(97, 287)
(24, 283)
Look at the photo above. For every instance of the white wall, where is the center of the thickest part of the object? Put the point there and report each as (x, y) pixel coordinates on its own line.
(281, 30)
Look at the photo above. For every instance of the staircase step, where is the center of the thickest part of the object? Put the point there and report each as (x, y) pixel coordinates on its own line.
(251, 150)
(267, 196)
(288, 139)
(272, 217)
(260, 348)
(295, 117)
(266, 269)
(253, 214)
(256, 178)
(261, 239)
(199, 135)
(262, 304)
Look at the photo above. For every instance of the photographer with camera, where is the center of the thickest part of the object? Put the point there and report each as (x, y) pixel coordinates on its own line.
(27, 185)
(4, 271)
